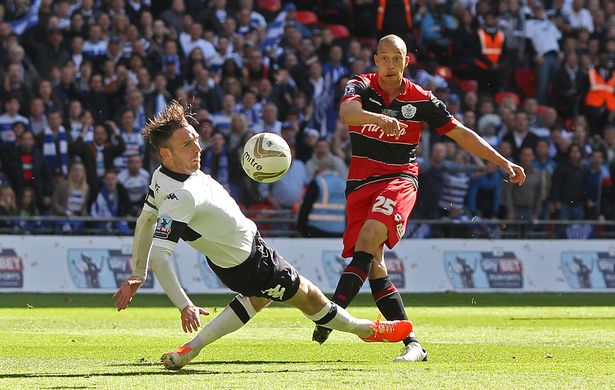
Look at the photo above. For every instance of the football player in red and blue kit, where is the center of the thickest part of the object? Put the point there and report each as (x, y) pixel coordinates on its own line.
(385, 113)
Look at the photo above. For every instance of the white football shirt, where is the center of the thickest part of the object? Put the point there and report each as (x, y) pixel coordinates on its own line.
(197, 209)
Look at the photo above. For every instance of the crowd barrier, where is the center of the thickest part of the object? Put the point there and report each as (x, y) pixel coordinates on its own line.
(77, 264)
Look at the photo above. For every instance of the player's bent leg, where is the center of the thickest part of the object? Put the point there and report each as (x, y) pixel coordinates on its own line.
(313, 303)
(371, 237)
(234, 316)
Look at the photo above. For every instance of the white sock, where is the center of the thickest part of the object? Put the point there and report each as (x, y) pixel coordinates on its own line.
(232, 318)
(334, 317)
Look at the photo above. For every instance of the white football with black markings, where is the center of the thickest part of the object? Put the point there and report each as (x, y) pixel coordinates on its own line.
(266, 157)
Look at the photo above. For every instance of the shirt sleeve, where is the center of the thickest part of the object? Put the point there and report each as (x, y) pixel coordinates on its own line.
(174, 214)
(150, 201)
(438, 117)
(355, 88)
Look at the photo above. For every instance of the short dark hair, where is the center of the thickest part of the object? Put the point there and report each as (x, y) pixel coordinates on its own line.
(158, 130)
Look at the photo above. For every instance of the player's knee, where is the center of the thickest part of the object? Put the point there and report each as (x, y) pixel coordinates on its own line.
(372, 235)
(259, 303)
(315, 298)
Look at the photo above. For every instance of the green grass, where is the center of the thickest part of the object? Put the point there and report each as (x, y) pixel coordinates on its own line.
(474, 341)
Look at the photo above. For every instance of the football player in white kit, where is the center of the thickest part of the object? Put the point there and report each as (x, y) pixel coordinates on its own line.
(185, 203)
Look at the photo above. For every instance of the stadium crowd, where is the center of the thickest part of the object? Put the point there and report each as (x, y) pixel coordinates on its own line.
(79, 78)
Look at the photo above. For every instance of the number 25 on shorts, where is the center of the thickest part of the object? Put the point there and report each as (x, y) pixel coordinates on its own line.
(384, 205)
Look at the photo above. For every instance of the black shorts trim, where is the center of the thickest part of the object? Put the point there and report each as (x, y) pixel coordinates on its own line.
(263, 274)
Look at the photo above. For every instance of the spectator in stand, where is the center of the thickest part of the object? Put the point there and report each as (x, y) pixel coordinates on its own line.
(95, 46)
(525, 202)
(521, 136)
(579, 17)
(136, 181)
(71, 197)
(287, 192)
(322, 212)
(50, 53)
(593, 178)
(609, 145)
(72, 121)
(8, 205)
(239, 127)
(37, 120)
(431, 178)
(98, 154)
(484, 196)
(437, 27)
(132, 139)
(158, 99)
(112, 201)
(135, 103)
(10, 117)
(27, 204)
(600, 99)
(544, 37)
(269, 123)
(568, 192)
(28, 76)
(95, 100)
(322, 152)
(570, 84)
(455, 184)
(194, 39)
(54, 143)
(27, 168)
(222, 119)
(14, 84)
(491, 55)
(217, 162)
(543, 161)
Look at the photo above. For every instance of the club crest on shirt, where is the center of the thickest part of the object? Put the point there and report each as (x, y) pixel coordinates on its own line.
(391, 113)
(408, 111)
(163, 226)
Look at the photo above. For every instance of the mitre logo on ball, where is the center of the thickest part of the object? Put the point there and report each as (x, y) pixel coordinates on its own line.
(266, 157)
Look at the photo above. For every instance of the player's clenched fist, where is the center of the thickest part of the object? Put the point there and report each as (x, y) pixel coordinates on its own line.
(516, 174)
(391, 125)
(125, 293)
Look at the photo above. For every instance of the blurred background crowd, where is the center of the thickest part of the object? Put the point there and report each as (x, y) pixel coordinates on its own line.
(79, 78)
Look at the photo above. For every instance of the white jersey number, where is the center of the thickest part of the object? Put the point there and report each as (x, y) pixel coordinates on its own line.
(384, 205)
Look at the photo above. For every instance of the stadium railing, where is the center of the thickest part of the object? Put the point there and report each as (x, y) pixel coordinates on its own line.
(282, 223)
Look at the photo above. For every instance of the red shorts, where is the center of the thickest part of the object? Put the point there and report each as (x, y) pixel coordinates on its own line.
(389, 202)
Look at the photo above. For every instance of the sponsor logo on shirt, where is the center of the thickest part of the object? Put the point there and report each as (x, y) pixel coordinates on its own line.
(375, 101)
(371, 128)
(408, 111)
(391, 113)
(163, 226)
(172, 196)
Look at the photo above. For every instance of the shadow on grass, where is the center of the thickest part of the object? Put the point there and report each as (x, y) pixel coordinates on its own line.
(237, 362)
(185, 371)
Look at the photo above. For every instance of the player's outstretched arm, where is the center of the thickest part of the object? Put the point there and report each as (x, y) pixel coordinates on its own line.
(165, 273)
(142, 242)
(477, 146)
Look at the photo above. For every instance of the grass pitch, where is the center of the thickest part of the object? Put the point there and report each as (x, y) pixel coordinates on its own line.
(474, 341)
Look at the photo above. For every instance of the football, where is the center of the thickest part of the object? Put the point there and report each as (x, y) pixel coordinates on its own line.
(266, 157)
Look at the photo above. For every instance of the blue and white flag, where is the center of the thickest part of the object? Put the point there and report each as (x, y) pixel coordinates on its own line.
(275, 31)
(30, 19)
